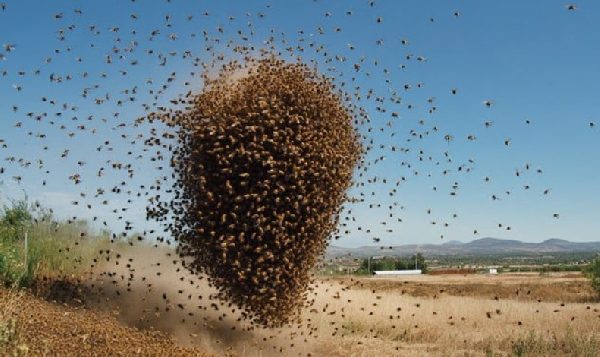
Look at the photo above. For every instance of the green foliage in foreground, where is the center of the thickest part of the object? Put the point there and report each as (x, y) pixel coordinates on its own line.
(53, 247)
(593, 272)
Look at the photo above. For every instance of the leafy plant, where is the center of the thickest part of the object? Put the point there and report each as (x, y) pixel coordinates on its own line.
(593, 272)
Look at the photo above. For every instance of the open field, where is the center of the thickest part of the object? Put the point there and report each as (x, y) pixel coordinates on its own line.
(550, 287)
(151, 304)
(464, 315)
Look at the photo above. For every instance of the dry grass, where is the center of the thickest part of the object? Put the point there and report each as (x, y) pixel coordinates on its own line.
(475, 315)
(374, 318)
(551, 287)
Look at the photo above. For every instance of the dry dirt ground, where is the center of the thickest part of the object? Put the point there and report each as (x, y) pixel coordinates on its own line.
(152, 306)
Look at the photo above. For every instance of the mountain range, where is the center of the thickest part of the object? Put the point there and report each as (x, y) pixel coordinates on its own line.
(483, 246)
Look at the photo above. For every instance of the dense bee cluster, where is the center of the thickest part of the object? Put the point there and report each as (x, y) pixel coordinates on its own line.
(60, 330)
(261, 173)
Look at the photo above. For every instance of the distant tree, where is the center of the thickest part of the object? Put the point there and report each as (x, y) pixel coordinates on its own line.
(378, 264)
(396, 263)
(401, 265)
(421, 263)
(368, 266)
(593, 272)
(365, 264)
(387, 264)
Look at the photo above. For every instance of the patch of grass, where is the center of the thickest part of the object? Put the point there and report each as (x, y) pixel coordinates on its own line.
(567, 343)
(64, 248)
(52, 248)
(351, 328)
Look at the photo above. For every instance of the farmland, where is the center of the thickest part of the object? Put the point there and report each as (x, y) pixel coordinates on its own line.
(447, 315)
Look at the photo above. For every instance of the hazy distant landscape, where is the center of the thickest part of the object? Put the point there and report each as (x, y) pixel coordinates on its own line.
(482, 246)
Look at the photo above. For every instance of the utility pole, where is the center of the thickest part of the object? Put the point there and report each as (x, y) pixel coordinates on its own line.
(416, 261)
(26, 250)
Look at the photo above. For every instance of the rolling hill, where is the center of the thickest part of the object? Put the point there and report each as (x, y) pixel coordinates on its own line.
(482, 246)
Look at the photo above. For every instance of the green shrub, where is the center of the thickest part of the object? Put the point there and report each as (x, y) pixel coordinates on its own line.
(593, 272)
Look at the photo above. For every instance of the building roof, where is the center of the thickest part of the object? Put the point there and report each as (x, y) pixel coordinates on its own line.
(398, 272)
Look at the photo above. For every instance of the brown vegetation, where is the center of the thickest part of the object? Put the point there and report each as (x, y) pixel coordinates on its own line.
(551, 287)
(511, 315)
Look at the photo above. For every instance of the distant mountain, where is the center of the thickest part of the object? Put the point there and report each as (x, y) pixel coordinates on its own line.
(495, 242)
(453, 242)
(483, 246)
(556, 241)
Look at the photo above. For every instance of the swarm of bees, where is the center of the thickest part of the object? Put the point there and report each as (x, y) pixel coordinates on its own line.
(262, 166)
(263, 152)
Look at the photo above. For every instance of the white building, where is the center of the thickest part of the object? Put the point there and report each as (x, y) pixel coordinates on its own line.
(397, 272)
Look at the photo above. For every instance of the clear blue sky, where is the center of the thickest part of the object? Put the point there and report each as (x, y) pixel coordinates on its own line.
(536, 61)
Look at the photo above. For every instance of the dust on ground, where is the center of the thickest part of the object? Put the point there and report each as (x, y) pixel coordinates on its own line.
(148, 289)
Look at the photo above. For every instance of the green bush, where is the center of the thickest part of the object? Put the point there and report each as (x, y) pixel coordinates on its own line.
(593, 272)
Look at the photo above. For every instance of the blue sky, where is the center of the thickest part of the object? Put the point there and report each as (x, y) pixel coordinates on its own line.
(535, 60)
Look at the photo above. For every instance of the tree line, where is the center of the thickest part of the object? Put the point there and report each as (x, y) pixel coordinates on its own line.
(371, 264)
